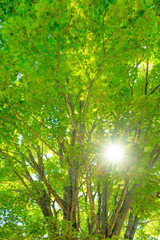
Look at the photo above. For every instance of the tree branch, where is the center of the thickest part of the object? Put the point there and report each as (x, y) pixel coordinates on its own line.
(154, 90)
(147, 69)
(118, 207)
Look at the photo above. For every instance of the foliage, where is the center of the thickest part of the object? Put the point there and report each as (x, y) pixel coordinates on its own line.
(77, 76)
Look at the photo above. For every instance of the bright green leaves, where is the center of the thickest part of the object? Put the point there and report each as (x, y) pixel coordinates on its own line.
(73, 79)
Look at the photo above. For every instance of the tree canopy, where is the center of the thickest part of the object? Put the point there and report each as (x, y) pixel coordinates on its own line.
(77, 77)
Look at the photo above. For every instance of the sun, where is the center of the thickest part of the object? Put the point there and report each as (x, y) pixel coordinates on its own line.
(114, 153)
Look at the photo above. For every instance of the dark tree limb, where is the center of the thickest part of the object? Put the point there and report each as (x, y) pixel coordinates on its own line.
(147, 69)
(134, 227)
(154, 89)
(129, 226)
(105, 209)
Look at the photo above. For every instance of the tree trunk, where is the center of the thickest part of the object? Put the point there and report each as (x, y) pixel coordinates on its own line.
(45, 205)
(105, 210)
(70, 194)
(134, 227)
(122, 214)
(117, 211)
(129, 226)
(124, 211)
(99, 203)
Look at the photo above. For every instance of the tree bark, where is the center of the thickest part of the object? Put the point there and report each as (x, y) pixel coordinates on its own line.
(129, 226)
(122, 214)
(147, 69)
(105, 210)
(117, 211)
(134, 227)
(99, 203)
(70, 189)
(44, 203)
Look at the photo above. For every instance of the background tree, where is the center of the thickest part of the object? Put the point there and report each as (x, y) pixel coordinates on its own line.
(76, 77)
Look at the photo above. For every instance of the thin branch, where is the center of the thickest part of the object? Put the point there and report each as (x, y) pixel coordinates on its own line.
(147, 69)
(67, 26)
(154, 220)
(18, 235)
(154, 89)
(41, 123)
(69, 115)
(25, 185)
(20, 118)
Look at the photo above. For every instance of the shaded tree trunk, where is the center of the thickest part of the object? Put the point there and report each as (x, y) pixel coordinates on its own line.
(70, 189)
(129, 226)
(134, 227)
(45, 205)
(124, 211)
(116, 214)
(99, 203)
(105, 210)
(122, 214)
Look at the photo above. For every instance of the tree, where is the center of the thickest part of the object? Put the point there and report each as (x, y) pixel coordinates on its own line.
(76, 77)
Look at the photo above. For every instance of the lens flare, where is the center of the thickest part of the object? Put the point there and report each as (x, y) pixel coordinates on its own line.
(114, 153)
